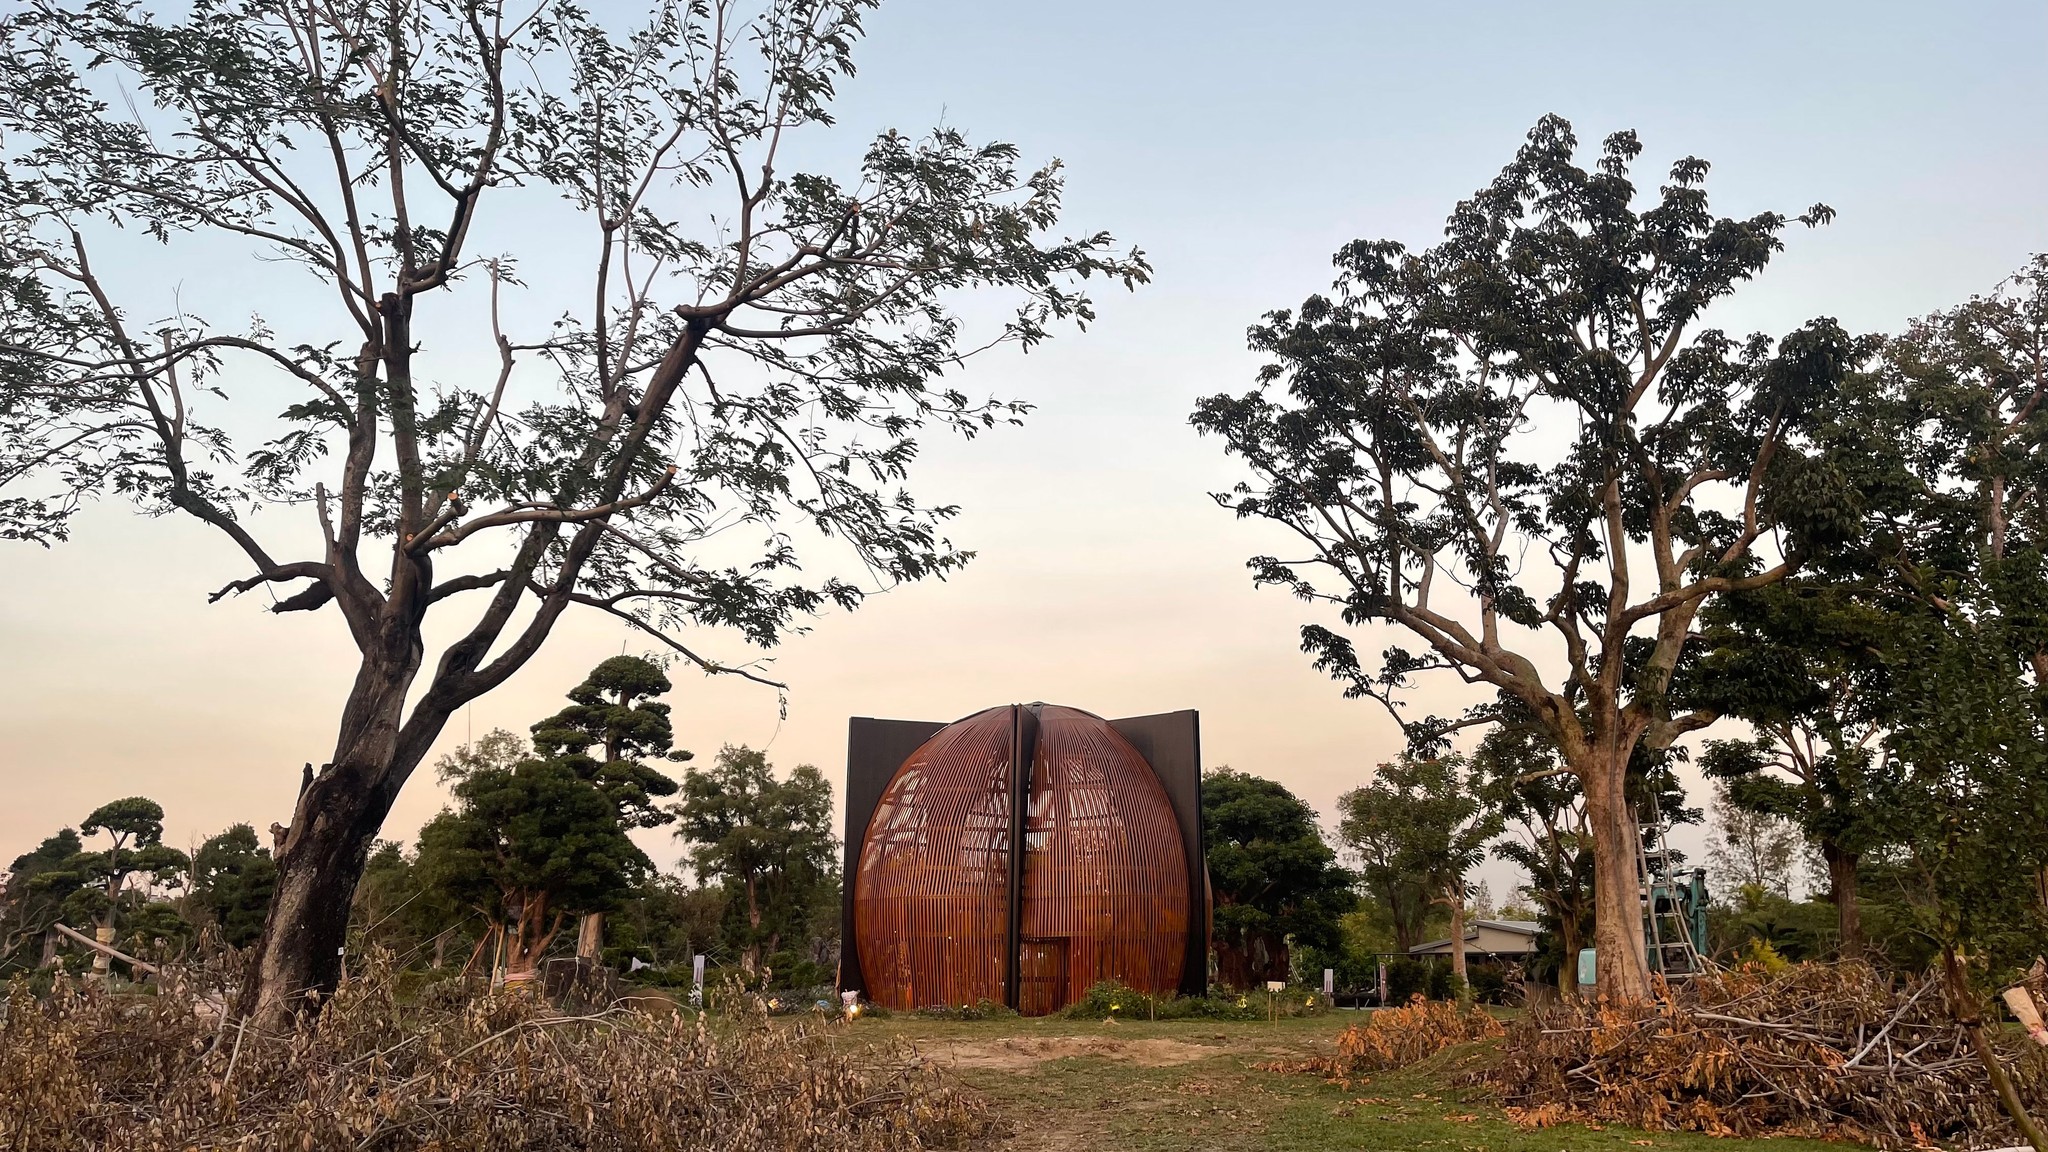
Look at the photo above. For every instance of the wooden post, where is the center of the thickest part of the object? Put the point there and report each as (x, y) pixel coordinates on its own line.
(2021, 1001)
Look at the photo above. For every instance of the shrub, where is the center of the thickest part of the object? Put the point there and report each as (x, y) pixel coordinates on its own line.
(1406, 977)
(1489, 984)
(84, 1069)
(1112, 999)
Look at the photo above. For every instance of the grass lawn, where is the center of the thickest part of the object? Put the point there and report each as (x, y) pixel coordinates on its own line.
(1155, 1087)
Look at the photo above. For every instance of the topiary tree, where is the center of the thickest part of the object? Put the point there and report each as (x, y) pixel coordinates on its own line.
(730, 342)
(232, 880)
(134, 828)
(1274, 880)
(1406, 433)
(32, 898)
(613, 711)
(531, 847)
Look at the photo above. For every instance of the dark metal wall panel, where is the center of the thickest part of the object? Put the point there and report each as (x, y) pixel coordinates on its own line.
(875, 749)
(1171, 742)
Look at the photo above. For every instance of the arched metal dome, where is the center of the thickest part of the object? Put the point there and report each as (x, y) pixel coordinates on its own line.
(945, 913)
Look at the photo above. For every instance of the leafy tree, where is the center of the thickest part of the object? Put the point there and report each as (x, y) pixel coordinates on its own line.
(37, 884)
(1421, 827)
(1406, 432)
(529, 846)
(1751, 849)
(613, 711)
(768, 841)
(1792, 660)
(1969, 383)
(1520, 772)
(1962, 801)
(759, 346)
(1274, 880)
(134, 829)
(667, 921)
(397, 910)
(232, 879)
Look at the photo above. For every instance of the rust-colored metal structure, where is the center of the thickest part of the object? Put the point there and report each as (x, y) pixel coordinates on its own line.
(1109, 885)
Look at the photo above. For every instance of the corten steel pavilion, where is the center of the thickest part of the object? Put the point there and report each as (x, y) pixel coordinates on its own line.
(939, 910)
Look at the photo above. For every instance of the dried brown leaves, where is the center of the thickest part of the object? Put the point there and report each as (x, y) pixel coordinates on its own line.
(82, 1069)
(1396, 1038)
(1817, 1050)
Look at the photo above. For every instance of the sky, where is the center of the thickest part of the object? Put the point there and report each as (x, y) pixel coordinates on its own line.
(1238, 146)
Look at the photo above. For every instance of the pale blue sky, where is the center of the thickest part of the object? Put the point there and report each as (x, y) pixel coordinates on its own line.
(1238, 145)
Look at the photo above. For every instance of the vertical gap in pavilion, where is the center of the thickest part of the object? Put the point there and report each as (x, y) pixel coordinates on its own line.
(1020, 767)
(1023, 750)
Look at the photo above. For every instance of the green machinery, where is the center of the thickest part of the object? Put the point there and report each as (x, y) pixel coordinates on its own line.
(1674, 908)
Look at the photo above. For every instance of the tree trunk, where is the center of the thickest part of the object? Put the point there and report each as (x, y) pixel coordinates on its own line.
(750, 960)
(1624, 971)
(441, 947)
(590, 936)
(1457, 902)
(1967, 1013)
(298, 960)
(1233, 965)
(1842, 893)
(529, 939)
(1568, 972)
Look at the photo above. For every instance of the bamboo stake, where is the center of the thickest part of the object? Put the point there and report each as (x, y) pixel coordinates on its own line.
(107, 949)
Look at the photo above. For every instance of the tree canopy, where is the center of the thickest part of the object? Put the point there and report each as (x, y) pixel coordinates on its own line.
(530, 846)
(232, 879)
(1402, 433)
(769, 841)
(1418, 829)
(1274, 880)
(613, 710)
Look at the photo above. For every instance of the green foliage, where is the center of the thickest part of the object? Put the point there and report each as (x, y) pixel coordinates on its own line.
(398, 911)
(1419, 828)
(37, 885)
(768, 841)
(612, 710)
(665, 922)
(1522, 774)
(1273, 878)
(232, 879)
(1798, 930)
(1111, 1000)
(134, 829)
(530, 846)
(1962, 797)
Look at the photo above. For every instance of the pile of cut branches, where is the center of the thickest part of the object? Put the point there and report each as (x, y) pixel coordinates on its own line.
(1396, 1038)
(86, 1069)
(1815, 1050)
